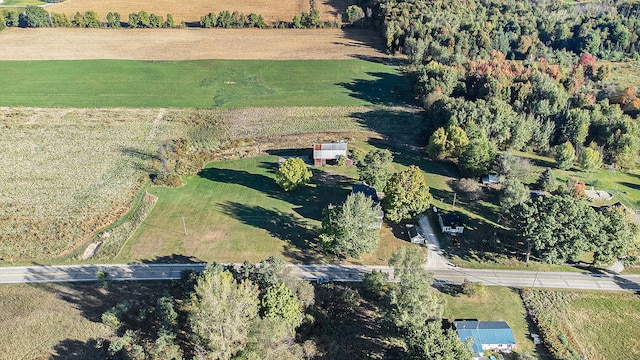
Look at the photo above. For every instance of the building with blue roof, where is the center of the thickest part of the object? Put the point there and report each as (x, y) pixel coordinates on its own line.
(486, 335)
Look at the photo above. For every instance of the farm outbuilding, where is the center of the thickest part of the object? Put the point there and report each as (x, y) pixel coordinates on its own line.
(328, 152)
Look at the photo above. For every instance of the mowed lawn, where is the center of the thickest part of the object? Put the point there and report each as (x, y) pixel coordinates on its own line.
(200, 84)
(234, 211)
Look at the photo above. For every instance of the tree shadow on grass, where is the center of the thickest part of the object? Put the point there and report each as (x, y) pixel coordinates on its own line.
(172, 259)
(70, 349)
(403, 127)
(284, 226)
(408, 156)
(92, 301)
(386, 89)
(258, 182)
(308, 200)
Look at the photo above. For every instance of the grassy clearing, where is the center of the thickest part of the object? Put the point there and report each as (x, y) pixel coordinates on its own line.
(201, 84)
(625, 74)
(35, 319)
(598, 325)
(69, 173)
(235, 211)
(498, 304)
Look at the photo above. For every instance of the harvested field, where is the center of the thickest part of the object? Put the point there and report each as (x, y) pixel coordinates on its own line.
(598, 325)
(194, 44)
(66, 173)
(192, 10)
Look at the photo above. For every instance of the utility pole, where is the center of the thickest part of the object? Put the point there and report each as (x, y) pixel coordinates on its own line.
(534, 280)
(454, 199)
(184, 225)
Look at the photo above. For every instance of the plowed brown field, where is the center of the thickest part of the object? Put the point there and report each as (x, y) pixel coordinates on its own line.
(192, 10)
(194, 44)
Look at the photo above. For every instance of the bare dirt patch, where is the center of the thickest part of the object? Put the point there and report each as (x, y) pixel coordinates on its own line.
(192, 10)
(193, 44)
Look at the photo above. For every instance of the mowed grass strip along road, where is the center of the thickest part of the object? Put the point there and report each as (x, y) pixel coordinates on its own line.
(200, 84)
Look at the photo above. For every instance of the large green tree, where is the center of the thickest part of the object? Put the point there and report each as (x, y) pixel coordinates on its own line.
(221, 313)
(558, 228)
(513, 193)
(590, 159)
(352, 228)
(406, 195)
(565, 154)
(547, 181)
(375, 168)
(35, 17)
(477, 157)
(413, 302)
(281, 304)
(292, 174)
(416, 309)
(447, 143)
(617, 236)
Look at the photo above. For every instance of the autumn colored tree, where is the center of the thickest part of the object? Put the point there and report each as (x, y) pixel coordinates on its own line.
(292, 174)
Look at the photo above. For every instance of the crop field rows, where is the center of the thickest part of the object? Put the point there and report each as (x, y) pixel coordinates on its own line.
(193, 44)
(66, 173)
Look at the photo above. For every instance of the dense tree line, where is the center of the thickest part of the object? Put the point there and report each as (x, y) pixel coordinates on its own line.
(561, 228)
(35, 16)
(498, 74)
(246, 313)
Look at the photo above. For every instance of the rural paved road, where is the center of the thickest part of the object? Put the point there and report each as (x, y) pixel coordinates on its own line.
(565, 280)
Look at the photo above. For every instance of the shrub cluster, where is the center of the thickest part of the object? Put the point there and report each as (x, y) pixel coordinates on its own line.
(228, 20)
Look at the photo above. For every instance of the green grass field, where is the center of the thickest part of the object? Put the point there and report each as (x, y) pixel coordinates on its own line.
(234, 211)
(200, 84)
(499, 304)
(21, 3)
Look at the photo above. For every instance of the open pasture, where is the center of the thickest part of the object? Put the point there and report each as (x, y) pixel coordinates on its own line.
(50, 321)
(192, 10)
(594, 325)
(201, 84)
(193, 44)
(234, 211)
(66, 173)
